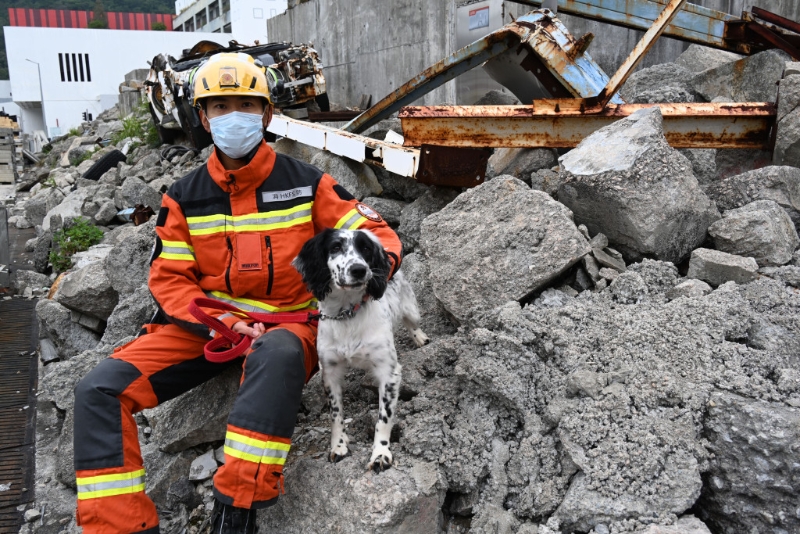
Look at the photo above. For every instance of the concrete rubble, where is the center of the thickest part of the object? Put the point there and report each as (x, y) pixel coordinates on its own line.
(615, 335)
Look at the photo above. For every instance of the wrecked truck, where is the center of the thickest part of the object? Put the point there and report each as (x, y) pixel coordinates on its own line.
(294, 74)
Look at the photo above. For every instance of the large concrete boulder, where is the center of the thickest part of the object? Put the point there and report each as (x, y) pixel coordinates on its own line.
(778, 183)
(70, 207)
(668, 82)
(133, 310)
(341, 497)
(761, 230)
(37, 206)
(753, 480)
(698, 58)
(357, 178)
(128, 263)
(626, 182)
(520, 162)
(751, 79)
(497, 242)
(89, 291)
(134, 191)
(787, 139)
(70, 338)
(717, 267)
(412, 215)
(197, 417)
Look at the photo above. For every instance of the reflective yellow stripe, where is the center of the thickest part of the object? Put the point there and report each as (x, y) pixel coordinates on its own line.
(108, 485)
(177, 250)
(255, 450)
(346, 218)
(359, 222)
(257, 306)
(252, 222)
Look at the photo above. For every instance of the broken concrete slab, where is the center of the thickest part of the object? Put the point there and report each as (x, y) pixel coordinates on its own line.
(778, 183)
(751, 79)
(88, 290)
(689, 288)
(497, 242)
(761, 229)
(204, 466)
(668, 82)
(358, 178)
(628, 183)
(134, 191)
(69, 338)
(698, 58)
(716, 267)
(520, 162)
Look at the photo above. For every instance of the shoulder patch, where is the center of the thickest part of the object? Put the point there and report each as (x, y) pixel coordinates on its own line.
(343, 193)
(368, 212)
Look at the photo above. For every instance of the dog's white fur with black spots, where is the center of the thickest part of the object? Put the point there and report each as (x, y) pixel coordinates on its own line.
(348, 272)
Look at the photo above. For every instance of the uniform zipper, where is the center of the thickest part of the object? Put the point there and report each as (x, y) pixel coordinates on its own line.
(271, 271)
(230, 260)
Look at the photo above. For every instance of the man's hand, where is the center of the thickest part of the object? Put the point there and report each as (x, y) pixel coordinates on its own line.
(255, 331)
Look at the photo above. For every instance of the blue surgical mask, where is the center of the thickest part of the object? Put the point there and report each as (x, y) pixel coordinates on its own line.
(237, 133)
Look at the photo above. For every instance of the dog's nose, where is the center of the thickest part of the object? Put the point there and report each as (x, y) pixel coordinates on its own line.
(358, 272)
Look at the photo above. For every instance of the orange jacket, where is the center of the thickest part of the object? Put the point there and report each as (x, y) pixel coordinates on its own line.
(231, 235)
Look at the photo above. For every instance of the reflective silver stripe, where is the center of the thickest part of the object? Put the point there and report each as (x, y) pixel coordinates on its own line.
(177, 250)
(114, 484)
(241, 305)
(251, 221)
(256, 451)
(351, 221)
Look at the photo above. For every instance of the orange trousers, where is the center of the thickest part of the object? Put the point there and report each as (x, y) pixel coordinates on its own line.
(158, 366)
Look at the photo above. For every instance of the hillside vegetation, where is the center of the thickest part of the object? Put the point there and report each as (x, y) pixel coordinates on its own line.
(130, 6)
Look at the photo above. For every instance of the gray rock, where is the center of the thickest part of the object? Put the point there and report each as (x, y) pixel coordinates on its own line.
(128, 263)
(88, 290)
(792, 68)
(134, 191)
(299, 151)
(87, 321)
(732, 161)
(497, 98)
(41, 251)
(520, 162)
(60, 378)
(751, 79)
(690, 288)
(787, 140)
(609, 274)
(435, 319)
(704, 164)
(687, 524)
(357, 178)
(761, 230)
(626, 182)
(389, 209)
(133, 310)
(668, 82)
(164, 472)
(106, 129)
(70, 207)
(94, 254)
(69, 338)
(204, 466)
(698, 58)
(412, 216)
(497, 242)
(752, 487)
(417, 493)
(716, 267)
(197, 417)
(545, 180)
(788, 96)
(105, 214)
(22, 280)
(781, 184)
(788, 274)
(399, 187)
(629, 288)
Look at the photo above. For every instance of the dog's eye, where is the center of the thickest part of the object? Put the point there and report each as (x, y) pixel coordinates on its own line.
(336, 248)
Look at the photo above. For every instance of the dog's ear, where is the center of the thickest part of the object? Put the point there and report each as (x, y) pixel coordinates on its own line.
(379, 265)
(312, 264)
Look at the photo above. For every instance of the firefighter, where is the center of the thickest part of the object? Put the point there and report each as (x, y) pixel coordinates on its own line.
(228, 230)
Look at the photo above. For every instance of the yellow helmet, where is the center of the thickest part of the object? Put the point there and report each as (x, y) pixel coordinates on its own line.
(229, 74)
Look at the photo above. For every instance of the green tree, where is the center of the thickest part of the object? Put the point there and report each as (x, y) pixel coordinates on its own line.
(99, 18)
(158, 26)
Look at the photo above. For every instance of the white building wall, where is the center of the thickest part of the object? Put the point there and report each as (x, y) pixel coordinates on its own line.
(112, 54)
(248, 18)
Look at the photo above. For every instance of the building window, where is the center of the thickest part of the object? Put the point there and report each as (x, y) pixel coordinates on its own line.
(226, 6)
(74, 67)
(258, 13)
(179, 28)
(226, 28)
(188, 25)
(200, 19)
(213, 10)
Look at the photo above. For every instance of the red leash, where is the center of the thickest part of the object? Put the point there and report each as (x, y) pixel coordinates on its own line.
(214, 349)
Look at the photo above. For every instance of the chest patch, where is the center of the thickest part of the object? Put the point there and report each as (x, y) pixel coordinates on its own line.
(282, 196)
(249, 252)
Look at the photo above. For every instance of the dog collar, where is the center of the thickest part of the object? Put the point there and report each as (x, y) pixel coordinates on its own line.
(347, 313)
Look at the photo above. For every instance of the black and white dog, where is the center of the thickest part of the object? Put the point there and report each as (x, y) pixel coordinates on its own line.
(348, 272)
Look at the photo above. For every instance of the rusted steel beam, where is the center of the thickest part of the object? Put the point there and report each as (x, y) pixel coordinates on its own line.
(562, 124)
(638, 52)
(776, 19)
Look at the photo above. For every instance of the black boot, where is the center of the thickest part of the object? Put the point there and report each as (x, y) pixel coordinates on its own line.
(227, 519)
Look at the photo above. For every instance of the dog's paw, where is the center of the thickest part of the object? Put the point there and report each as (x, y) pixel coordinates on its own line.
(381, 460)
(420, 337)
(339, 450)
